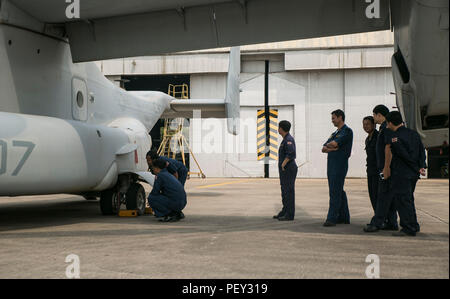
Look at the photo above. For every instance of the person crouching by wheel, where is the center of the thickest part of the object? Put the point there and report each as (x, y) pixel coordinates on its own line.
(168, 197)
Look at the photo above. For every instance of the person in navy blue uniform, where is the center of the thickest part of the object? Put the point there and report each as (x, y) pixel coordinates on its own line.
(287, 168)
(173, 166)
(339, 148)
(405, 154)
(385, 217)
(371, 160)
(168, 198)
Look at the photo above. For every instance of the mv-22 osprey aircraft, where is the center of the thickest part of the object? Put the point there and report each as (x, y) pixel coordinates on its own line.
(64, 128)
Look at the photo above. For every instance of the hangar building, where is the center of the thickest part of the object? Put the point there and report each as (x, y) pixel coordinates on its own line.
(303, 81)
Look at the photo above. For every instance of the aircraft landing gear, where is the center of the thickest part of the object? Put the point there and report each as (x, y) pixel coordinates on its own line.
(135, 198)
(127, 192)
(110, 202)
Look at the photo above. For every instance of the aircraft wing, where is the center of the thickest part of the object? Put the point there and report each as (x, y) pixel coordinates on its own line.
(115, 28)
(210, 108)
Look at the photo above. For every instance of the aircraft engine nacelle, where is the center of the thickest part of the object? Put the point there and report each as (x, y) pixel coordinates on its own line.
(44, 155)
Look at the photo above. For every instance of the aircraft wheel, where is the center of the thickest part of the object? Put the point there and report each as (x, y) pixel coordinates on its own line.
(136, 198)
(109, 204)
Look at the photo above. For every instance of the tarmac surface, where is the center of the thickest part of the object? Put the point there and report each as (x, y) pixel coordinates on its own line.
(228, 232)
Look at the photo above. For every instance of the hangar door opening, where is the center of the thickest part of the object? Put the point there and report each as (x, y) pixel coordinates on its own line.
(160, 83)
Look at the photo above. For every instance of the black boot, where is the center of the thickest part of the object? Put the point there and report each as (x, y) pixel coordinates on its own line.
(370, 229)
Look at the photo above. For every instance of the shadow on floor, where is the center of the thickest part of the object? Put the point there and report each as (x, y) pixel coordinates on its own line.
(51, 214)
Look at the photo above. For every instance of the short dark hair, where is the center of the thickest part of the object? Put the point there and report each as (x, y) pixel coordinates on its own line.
(369, 118)
(339, 113)
(381, 109)
(153, 154)
(159, 163)
(285, 125)
(395, 118)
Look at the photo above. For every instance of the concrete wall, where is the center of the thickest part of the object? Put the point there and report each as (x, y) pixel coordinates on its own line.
(170, 64)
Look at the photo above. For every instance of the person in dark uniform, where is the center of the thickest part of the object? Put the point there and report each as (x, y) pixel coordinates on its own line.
(405, 154)
(371, 161)
(287, 168)
(339, 148)
(168, 198)
(385, 217)
(175, 167)
(422, 171)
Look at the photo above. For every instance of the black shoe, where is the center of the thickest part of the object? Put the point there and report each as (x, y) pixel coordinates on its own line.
(277, 216)
(390, 227)
(284, 218)
(174, 219)
(403, 233)
(370, 229)
(169, 218)
(343, 222)
(164, 219)
(329, 224)
(180, 215)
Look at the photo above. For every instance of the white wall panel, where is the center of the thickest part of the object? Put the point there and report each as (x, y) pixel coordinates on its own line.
(169, 64)
(326, 94)
(364, 89)
(339, 59)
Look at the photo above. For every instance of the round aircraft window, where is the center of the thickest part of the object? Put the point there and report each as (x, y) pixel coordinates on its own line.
(80, 99)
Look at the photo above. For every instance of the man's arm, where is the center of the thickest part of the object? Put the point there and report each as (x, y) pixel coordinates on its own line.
(342, 138)
(422, 157)
(285, 162)
(328, 146)
(290, 153)
(332, 145)
(387, 161)
(327, 150)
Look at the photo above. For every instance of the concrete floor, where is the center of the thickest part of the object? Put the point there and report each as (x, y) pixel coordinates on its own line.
(228, 233)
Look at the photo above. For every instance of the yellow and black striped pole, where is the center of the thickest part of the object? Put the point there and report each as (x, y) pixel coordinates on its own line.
(267, 138)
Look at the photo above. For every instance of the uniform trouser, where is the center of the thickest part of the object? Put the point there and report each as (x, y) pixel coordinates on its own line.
(385, 212)
(372, 183)
(338, 211)
(163, 206)
(403, 201)
(182, 176)
(287, 181)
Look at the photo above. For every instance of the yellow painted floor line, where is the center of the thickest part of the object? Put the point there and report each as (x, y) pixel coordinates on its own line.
(223, 184)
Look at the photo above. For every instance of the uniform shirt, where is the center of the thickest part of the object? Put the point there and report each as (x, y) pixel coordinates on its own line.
(338, 160)
(174, 165)
(381, 145)
(166, 184)
(287, 150)
(408, 153)
(371, 145)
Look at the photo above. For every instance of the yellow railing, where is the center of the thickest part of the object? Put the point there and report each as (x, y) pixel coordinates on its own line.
(179, 91)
